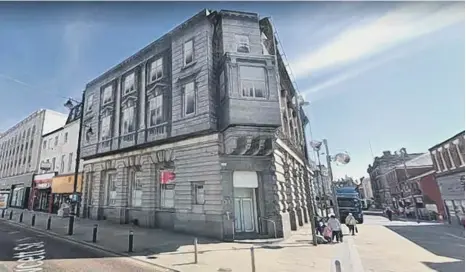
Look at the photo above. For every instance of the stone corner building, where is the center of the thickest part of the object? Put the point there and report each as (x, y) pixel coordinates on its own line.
(198, 133)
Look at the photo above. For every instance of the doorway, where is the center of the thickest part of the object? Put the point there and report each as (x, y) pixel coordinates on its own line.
(245, 184)
(245, 210)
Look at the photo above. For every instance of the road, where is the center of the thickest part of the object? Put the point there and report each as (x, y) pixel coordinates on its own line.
(408, 246)
(27, 251)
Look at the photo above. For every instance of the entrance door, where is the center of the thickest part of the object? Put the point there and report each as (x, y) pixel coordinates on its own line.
(245, 210)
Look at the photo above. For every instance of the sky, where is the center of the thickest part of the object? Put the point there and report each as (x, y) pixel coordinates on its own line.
(378, 75)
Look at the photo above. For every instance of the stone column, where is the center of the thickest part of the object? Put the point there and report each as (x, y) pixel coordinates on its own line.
(117, 115)
(456, 142)
(141, 136)
(439, 150)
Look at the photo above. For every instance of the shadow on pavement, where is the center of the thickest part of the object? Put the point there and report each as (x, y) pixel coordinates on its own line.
(438, 239)
(446, 267)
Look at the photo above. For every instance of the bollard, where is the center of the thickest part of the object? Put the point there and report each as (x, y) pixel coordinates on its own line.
(21, 218)
(3, 213)
(130, 241)
(33, 220)
(195, 250)
(11, 215)
(337, 266)
(71, 225)
(94, 234)
(49, 222)
(253, 260)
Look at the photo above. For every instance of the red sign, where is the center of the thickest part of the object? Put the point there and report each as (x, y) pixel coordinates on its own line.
(167, 177)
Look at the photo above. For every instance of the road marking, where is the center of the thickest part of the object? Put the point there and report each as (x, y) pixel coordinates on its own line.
(30, 256)
(454, 236)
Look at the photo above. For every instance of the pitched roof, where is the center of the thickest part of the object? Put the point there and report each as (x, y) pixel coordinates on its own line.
(419, 161)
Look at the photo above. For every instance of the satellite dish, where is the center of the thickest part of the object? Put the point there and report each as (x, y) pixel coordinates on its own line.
(342, 158)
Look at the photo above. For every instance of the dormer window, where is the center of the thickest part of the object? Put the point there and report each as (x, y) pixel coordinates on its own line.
(128, 84)
(156, 70)
(107, 94)
(242, 44)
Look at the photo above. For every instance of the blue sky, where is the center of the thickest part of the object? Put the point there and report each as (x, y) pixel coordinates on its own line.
(387, 73)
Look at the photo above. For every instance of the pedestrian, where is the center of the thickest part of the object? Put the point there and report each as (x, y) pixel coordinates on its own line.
(389, 213)
(327, 234)
(335, 226)
(351, 222)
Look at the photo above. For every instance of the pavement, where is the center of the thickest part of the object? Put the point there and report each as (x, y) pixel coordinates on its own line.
(380, 245)
(168, 251)
(25, 250)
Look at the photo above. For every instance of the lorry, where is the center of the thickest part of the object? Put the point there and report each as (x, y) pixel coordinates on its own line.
(349, 201)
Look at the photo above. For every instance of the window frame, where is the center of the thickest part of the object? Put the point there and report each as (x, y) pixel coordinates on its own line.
(62, 164)
(70, 161)
(164, 188)
(243, 44)
(131, 88)
(198, 199)
(111, 195)
(109, 136)
(153, 106)
(136, 189)
(129, 118)
(185, 101)
(89, 103)
(105, 89)
(185, 64)
(154, 65)
(253, 81)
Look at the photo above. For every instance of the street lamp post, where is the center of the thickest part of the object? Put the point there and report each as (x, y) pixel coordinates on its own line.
(336, 210)
(73, 104)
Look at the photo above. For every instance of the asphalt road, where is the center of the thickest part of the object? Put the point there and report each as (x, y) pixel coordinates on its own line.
(25, 250)
(437, 238)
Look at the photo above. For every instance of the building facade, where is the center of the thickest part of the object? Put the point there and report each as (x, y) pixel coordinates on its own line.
(377, 173)
(366, 188)
(199, 132)
(404, 184)
(20, 151)
(448, 159)
(54, 181)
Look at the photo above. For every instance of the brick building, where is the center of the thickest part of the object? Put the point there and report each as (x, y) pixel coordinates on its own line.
(201, 132)
(377, 173)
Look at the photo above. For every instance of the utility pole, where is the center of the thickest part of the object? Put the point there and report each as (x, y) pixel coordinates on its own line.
(330, 175)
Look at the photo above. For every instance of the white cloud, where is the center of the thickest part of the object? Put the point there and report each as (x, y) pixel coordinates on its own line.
(354, 72)
(15, 80)
(408, 21)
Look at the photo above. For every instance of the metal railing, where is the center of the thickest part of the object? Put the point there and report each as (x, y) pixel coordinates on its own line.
(273, 223)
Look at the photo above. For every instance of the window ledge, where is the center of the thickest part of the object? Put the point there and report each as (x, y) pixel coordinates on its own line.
(186, 66)
(150, 82)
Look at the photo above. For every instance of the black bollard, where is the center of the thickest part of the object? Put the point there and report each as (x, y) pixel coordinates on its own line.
(49, 222)
(11, 215)
(71, 225)
(3, 213)
(94, 234)
(195, 251)
(33, 220)
(130, 241)
(21, 218)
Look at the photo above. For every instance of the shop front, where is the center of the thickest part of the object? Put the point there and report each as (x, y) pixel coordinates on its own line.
(16, 190)
(4, 198)
(41, 197)
(62, 190)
